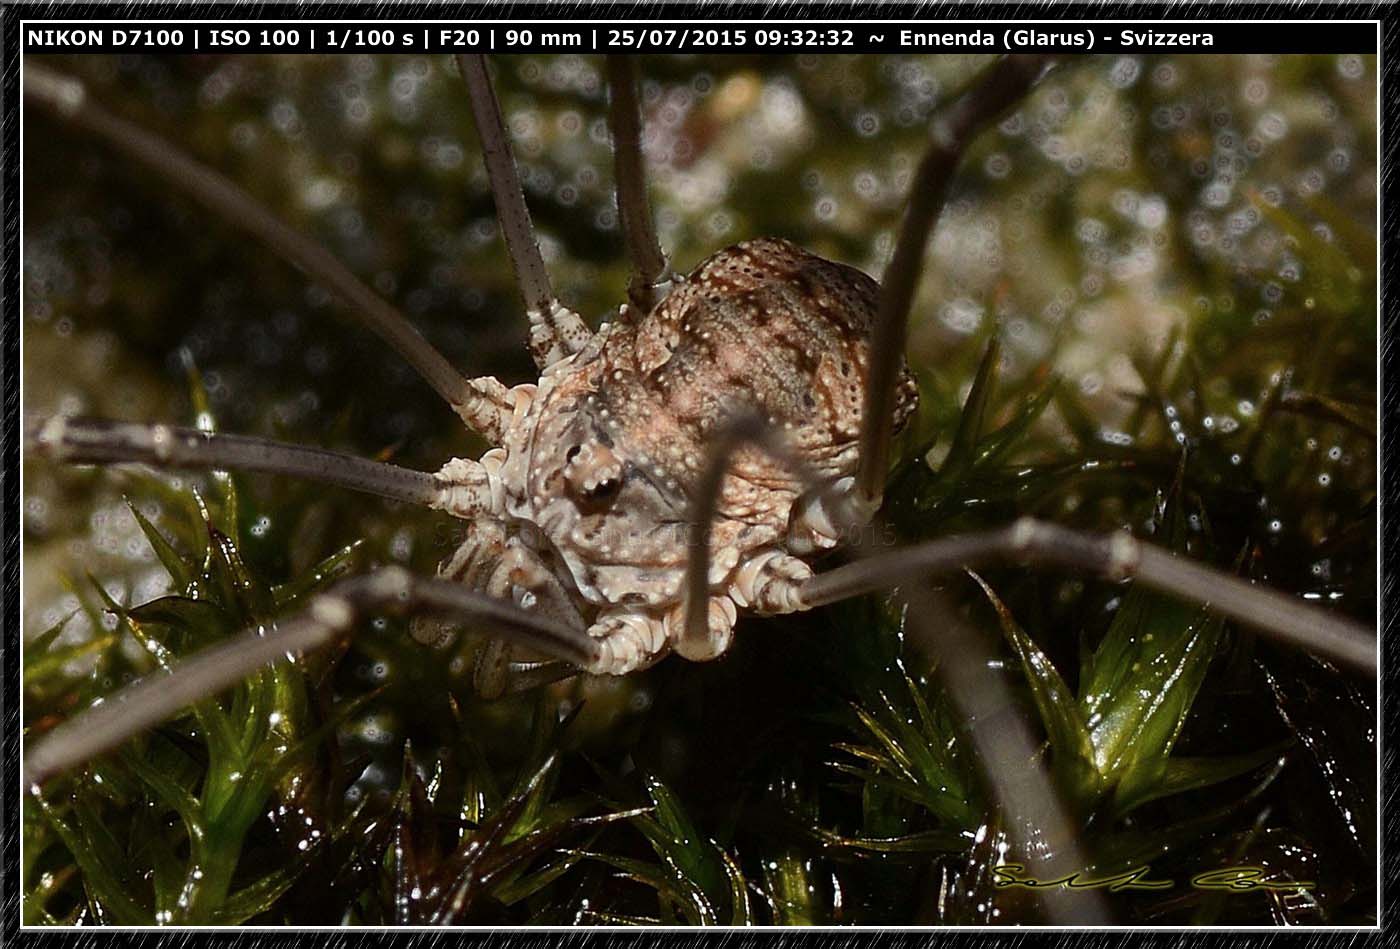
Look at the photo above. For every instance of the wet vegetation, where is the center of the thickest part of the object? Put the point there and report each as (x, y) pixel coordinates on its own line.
(1150, 303)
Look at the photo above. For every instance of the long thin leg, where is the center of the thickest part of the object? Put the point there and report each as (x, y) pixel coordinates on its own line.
(555, 330)
(160, 695)
(699, 639)
(651, 273)
(1041, 829)
(1277, 615)
(954, 128)
(67, 99)
(101, 441)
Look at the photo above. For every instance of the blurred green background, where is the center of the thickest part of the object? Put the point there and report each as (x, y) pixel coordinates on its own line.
(1174, 238)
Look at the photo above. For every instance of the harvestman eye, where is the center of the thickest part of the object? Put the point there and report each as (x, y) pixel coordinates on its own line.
(682, 359)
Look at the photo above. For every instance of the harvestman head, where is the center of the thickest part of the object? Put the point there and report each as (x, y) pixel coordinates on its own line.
(666, 485)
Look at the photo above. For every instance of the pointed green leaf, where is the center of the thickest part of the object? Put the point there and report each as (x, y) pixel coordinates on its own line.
(991, 448)
(175, 797)
(790, 891)
(740, 908)
(213, 723)
(1145, 674)
(1137, 721)
(308, 745)
(289, 593)
(154, 847)
(974, 414)
(180, 571)
(42, 665)
(1059, 712)
(523, 887)
(1125, 848)
(1179, 775)
(259, 896)
(915, 845)
(673, 890)
(680, 844)
(1077, 418)
(204, 619)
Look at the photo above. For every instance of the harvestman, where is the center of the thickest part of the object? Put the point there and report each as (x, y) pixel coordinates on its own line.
(653, 484)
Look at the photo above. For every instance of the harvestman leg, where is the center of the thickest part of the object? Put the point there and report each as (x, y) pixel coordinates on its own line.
(651, 272)
(1118, 556)
(953, 128)
(160, 695)
(1023, 792)
(707, 628)
(462, 488)
(555, 330)
(484, 404)
(1006, 751)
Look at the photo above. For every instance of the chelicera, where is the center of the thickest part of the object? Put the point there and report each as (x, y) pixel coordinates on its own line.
(688, 461)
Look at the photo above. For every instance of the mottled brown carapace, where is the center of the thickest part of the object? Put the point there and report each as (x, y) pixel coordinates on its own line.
(599, 464)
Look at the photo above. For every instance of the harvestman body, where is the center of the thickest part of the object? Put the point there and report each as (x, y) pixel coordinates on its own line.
(603, 455)
(678, 466)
